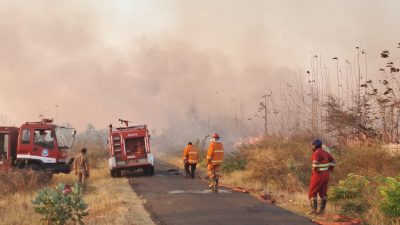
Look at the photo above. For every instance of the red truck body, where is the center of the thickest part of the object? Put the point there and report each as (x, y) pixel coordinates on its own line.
(8, 144)
(35, 145)
(129, 149)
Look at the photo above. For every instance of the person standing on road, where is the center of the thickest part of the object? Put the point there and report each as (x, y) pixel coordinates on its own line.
(322, 164)
(82, 167)
(190, 158)
(215, 157)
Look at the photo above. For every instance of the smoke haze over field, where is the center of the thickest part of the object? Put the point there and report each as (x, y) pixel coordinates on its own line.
(157, 62)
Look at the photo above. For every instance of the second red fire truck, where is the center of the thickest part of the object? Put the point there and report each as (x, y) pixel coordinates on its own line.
(129, 149)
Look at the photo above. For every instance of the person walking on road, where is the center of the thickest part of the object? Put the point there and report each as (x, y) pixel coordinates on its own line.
(190, 158)
(322, 165)
(82, 167)
(215, 157)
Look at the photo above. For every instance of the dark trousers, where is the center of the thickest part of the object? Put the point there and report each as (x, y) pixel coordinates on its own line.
(192, 169)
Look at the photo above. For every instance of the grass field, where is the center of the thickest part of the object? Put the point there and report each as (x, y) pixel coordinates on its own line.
(111, 201)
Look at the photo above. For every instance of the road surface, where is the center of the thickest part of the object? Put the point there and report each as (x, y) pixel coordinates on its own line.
(174, 200)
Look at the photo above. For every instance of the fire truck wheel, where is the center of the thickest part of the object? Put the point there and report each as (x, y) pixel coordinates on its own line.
(33, 166)
(112, 173)
(149, 171)
(146, 171)
(118, 173)
(152, 170)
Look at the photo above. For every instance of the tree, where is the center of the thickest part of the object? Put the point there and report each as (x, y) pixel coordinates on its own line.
(348, 123)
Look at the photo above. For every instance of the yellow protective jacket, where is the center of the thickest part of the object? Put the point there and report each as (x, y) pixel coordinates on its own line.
(81, 163)
(215, 154)
(190, 154)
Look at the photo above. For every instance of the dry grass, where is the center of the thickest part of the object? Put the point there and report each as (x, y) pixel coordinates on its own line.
(284, 168)
(111, 201)
(173, 159)
(368, 161)
(21, 180)
(16, 209)
(375, 217)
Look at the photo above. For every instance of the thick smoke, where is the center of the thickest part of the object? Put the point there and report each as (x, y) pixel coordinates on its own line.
(191, 68)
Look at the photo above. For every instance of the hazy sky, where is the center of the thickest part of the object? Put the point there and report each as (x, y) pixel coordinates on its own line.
(149, 61)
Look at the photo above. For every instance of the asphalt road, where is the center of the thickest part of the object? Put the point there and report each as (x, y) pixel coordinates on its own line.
(174, 200)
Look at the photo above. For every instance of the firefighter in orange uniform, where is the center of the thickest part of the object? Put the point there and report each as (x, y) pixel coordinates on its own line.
(215, 157)
(322, 165)
(82, 166)
(190, 158)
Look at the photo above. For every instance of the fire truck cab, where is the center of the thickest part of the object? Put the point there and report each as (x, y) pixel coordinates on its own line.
(37, 145)
(129, 149)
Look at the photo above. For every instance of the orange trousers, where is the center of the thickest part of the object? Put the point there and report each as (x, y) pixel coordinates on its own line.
(212, 169)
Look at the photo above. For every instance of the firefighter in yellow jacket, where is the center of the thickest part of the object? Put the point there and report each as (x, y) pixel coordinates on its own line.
(190, 158)
(82, 166)
(215, 157)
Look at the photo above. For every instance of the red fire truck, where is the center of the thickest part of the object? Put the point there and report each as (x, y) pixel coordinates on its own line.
(38, 146)
(129, 148)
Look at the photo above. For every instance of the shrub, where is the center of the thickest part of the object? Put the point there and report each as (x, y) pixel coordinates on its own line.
(234, 161)
(60, 205)
(352, 195)
(390, 193)
(354, 207)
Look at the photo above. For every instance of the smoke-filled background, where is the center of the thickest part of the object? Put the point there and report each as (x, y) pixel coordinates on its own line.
(186, 68)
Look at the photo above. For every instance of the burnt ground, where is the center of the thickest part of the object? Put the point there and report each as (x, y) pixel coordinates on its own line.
(174, 200)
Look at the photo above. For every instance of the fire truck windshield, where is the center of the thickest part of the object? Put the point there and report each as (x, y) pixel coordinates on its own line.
(44, 138)
(65, 137)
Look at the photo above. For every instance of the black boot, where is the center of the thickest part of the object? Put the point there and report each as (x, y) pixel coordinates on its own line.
(216, 184)
(314, 206)
(323, 205)
(187, 172)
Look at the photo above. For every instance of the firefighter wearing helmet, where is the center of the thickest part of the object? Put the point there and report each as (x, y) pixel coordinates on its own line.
(322, 164)
(215, 157)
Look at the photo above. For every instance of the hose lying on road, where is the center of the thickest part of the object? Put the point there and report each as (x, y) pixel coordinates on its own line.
(236, 189)
(337, 220)
(265, 198)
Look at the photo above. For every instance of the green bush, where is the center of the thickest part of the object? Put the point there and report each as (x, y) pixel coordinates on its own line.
(234, 161)
(354, 207)
(352, 195)
(390, 193)
(60, 205)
